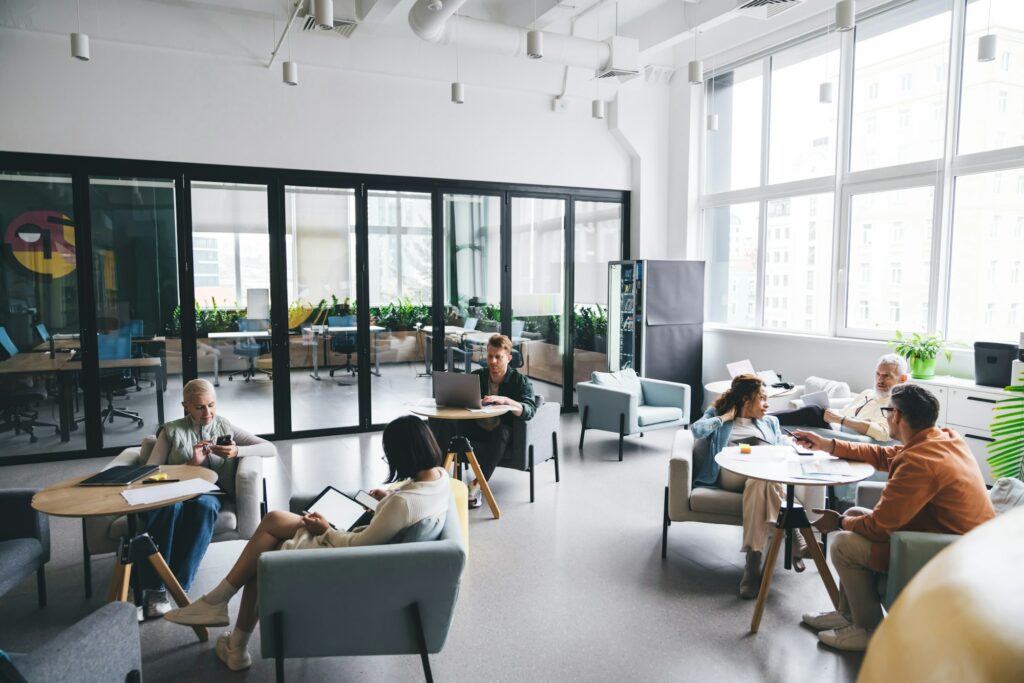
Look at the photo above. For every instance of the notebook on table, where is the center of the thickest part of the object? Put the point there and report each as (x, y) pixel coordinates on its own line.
(119, 475)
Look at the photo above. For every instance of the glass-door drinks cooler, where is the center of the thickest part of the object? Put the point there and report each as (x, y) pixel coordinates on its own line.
(625, 315)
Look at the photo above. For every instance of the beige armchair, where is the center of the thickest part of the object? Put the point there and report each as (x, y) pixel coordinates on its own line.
(708, 504)
(238, 518)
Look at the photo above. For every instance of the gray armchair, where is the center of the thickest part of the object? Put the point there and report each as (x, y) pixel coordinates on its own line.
(531, 439)
(238, 518)
(631, 407)
(24, 541)
(372, 600)
(101, 648)
(708, 504)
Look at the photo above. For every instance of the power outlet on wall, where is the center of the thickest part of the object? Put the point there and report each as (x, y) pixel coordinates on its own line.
(559, 105)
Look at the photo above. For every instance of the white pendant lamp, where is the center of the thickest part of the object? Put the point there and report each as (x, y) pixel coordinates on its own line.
(987, 43)
(79, 40)
(458, 88)
(597, 108)
(290, 73)
(846, 15)
(826, 92)
(712, 122)
(80, 46)
(535, 44)
(695, 70)
(323, 13)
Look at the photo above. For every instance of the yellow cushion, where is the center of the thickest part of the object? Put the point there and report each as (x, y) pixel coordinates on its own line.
(959, 618)
(461, 493)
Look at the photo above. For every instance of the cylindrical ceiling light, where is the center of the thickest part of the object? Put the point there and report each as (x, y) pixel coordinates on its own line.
(712, 122)
(323, 13)
(597, 109)
(80, 46)
(826, 92)
(458, 93)
(290, 73)
(535, 44)
(846, 15)
(696, 71)
(987, 47)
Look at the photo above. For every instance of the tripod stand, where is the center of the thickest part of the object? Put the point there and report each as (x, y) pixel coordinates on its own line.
(460, 453)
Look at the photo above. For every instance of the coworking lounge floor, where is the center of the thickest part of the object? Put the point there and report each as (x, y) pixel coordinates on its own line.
(571, 587)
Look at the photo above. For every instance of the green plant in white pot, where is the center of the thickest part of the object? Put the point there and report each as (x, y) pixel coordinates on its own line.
(1006, 453)
(920, 352)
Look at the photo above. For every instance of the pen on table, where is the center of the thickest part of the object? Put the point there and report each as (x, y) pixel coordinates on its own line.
(159, 481)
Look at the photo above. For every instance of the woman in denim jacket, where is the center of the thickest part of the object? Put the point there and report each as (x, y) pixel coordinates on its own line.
(739, 416)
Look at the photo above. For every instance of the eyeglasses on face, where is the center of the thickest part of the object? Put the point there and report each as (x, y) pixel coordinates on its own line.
(886, 410)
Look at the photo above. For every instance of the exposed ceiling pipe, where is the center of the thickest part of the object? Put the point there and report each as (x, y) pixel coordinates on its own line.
(508, 40)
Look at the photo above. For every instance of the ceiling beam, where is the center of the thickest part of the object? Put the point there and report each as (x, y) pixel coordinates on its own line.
(673, 22)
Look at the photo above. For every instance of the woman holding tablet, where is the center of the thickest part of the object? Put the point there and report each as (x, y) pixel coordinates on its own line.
(413, 457)
(738, 416)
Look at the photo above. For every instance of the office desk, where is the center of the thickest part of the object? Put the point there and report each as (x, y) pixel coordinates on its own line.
(321, 331)
(29, 363)
(73, 343)
(451, 333)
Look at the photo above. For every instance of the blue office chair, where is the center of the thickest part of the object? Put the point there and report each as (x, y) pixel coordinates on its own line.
(116, 345)
(251, 349)
(343, 342)
(44, 333)
(138, 351)
(17, 399)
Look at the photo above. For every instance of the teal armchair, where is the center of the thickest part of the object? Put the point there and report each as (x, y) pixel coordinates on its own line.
(390, 599)
(624, 403)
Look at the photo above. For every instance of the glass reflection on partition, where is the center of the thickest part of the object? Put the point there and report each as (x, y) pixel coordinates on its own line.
(472, 247)
(135, 270)
(538, 285)
(597, 240)
(400, 227)
(39, 290)
(321, 245)
(231, 256)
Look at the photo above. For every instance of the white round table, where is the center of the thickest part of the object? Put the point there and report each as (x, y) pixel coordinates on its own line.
(712, 390)
(783, 465)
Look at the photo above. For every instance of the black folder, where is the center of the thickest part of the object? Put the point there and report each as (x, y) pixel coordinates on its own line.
(119, 475)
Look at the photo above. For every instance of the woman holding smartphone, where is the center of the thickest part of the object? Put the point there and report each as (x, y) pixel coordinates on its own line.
(414, 460)
(183, 531)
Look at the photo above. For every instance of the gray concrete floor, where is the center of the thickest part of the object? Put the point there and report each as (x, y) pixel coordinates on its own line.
(572, 587)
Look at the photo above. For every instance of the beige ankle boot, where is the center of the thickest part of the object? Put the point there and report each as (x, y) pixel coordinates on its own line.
(750, 584)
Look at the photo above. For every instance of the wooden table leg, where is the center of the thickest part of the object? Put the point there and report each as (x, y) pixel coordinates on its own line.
(823, 570)
(484, 486)
(171, 581)
(766, 578)
(120, 582)
(449, 460)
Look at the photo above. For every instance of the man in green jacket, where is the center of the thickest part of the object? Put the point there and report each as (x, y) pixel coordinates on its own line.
(500, 385)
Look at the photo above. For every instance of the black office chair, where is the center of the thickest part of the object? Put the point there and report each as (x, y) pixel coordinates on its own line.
(343, 342)
(18, 399)
(138, 351)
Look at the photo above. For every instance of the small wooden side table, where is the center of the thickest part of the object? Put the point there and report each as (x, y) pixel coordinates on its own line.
(66, 499)
(459, 450)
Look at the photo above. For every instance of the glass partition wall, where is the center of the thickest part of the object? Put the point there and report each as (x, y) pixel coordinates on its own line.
(317, 303)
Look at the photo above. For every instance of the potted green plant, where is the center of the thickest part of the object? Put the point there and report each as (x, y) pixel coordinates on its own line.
(1006, 453)
(921, 352)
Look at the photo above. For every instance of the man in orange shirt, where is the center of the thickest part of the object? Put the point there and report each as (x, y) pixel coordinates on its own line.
(934, 485)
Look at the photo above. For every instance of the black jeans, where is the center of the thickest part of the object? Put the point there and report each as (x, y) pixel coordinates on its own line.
(488, 445)
(808, 416)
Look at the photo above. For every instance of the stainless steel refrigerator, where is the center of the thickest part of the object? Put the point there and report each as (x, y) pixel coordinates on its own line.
(656, 321)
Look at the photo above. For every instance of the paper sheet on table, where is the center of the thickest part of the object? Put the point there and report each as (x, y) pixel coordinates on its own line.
(155, 493)
(485, 409)
(740, 367)
(826, 467)
(816, 398)
(763, 454)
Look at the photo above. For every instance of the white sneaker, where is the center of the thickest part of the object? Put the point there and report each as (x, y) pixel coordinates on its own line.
(476, 497)
(236, 660)
(200, 613)
(156, 603)
(848, 638)
(825, 621)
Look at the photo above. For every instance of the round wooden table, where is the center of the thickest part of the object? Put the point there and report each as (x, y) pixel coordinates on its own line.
(459, 449)
(783, 465)
(67, 499)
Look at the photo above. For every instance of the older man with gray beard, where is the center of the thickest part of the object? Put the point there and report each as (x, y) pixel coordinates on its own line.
(863, 415)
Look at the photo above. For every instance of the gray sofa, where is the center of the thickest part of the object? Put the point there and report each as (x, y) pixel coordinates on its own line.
(376, 600)
(238, 518)
(24, 541)
(531, 441)
(101, 648)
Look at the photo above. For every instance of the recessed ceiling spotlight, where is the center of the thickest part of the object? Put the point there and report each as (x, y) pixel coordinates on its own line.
(435, 5)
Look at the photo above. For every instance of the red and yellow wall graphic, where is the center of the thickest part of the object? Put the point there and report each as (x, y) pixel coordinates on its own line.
(43, 242)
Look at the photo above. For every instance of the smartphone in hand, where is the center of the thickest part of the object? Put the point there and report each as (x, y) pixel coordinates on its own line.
(225, 440)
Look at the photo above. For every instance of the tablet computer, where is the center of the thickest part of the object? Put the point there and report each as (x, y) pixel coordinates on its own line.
(340, 511)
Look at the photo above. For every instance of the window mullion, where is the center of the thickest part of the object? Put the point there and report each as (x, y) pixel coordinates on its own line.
(762, 221)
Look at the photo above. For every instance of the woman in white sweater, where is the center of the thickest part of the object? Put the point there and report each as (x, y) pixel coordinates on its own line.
(413, 458)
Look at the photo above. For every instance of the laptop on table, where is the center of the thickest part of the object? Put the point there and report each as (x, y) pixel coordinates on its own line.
(457, 390)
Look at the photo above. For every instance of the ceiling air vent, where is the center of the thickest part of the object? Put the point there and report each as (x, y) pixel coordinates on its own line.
(624, 59)
(343, 26)
(764, 9)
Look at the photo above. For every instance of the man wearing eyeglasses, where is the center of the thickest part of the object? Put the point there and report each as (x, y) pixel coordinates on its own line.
(934, 485)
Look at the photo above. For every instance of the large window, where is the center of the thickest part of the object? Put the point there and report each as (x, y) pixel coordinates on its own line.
(903, 212)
